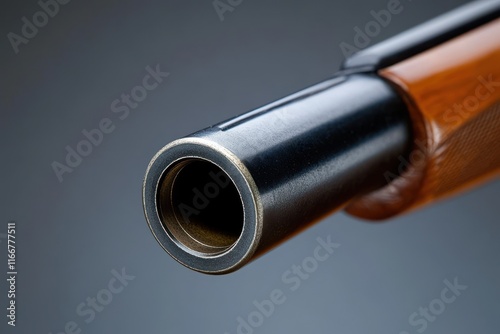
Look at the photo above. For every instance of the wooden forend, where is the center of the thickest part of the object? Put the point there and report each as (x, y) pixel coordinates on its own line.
(453, 93)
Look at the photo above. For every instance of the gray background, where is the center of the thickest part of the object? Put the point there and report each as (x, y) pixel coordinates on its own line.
(72, 234)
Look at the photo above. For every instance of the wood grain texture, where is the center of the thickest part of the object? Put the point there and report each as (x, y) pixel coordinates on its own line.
(453, 94)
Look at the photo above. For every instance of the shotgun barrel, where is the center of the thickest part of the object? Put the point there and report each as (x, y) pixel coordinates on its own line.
(220, 197)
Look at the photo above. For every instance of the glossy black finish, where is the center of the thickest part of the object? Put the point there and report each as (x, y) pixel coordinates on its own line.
(423, 37)
(306, 155)
(295, 160)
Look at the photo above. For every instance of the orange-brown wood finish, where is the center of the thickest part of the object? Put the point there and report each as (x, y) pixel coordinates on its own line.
(453, 93)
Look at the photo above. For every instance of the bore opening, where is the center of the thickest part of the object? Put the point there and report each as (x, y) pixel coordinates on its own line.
(200, 206)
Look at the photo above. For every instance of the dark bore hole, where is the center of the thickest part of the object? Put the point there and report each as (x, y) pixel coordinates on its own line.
(200, 205)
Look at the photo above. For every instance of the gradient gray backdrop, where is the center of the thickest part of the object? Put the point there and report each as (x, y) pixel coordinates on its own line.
(72, 234)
